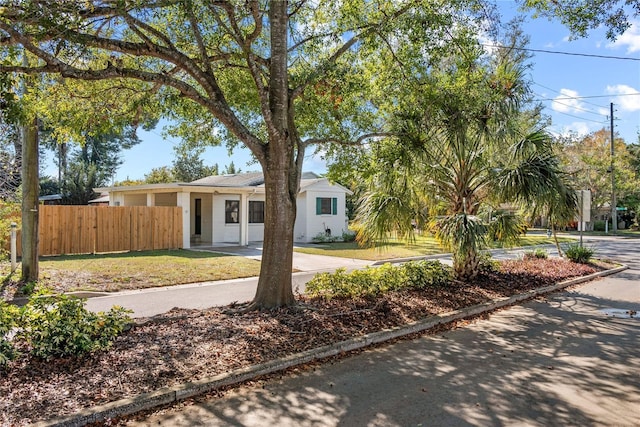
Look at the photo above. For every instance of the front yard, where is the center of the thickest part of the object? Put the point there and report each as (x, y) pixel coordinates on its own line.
(423, 245)
(138, 270)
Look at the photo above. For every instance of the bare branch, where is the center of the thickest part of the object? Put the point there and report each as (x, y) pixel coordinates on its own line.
(357, 141)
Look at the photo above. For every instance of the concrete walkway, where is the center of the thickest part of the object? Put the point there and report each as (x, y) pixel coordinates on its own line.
(154, 301)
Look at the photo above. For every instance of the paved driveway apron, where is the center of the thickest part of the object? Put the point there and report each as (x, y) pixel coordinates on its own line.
(560, 361)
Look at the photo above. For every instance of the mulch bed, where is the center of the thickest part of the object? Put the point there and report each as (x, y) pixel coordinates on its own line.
(186, 345)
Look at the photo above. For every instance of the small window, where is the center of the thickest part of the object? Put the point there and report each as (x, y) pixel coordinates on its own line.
(326, 206)
(256, 212)
(231, 211)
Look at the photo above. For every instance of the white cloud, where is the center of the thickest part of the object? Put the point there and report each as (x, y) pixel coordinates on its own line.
(629, 39)
(630, 101)
(566, 102)
(579, 129)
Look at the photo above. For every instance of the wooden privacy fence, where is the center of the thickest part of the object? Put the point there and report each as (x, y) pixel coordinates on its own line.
(92, 229)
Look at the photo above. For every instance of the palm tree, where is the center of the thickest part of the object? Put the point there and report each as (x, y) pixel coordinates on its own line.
(464, 143)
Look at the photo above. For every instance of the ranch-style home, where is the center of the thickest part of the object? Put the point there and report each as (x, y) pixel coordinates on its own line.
(229, 209)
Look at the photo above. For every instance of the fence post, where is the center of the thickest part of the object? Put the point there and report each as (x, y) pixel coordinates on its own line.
(14, 248)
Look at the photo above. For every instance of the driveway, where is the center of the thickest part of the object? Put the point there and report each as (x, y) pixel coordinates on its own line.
(557, 361)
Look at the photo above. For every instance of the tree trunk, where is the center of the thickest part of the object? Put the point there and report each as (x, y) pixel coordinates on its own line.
(468, 267)
(281, 173)
(30, 189)
(274, 284)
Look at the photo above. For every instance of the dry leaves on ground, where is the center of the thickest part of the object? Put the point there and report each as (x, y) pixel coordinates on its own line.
(186, 345)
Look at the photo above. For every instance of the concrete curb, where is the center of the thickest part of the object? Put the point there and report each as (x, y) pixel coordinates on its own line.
(183, 391)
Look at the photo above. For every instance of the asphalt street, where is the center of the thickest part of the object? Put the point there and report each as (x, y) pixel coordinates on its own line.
(570, 359)
(151, 302)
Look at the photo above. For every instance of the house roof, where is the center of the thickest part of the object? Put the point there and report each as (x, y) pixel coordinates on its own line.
(50, 197)
(104, 198)
(234, 182)
(251, 179)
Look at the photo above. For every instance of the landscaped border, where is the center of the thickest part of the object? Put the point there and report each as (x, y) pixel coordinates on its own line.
(180, 392)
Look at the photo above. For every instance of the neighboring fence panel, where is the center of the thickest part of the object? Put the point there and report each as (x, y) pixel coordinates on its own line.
(91, 229)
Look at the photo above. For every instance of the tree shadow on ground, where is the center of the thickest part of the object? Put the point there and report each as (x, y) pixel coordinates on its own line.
(548, 363)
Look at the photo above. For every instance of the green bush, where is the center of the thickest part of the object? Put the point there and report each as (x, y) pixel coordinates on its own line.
(599, 226)
(9, 212)
(374, 281)
(60, 326)
(348, 236)
(487, 264)
(538, 253)
(8, 321)
(579, 254)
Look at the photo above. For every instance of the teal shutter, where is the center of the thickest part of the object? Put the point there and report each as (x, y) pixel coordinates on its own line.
(334, 205)
(318, 206)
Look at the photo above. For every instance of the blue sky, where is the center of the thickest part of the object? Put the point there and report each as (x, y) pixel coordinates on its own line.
(575, 90)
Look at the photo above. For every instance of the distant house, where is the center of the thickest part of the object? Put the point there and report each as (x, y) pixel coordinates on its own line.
(102, 200)
(230, 208)
(51, 199)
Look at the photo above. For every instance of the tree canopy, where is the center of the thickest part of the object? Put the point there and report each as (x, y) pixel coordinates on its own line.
(466, 139)
(277, 76)
(582, 16)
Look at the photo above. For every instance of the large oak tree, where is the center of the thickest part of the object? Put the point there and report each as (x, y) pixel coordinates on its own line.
(276, 76)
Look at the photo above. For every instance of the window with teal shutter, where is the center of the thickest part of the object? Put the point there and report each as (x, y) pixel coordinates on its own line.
(326, 206)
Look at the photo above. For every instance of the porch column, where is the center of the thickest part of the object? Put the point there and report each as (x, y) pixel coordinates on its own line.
(244, 219)
(151, 199)
(213, 217)
(184, 201)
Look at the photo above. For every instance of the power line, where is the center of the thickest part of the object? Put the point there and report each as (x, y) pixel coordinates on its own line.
(556, 91)
(557, 52)
(567, 98)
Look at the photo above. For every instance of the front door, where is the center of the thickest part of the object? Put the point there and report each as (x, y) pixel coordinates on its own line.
(198, 213)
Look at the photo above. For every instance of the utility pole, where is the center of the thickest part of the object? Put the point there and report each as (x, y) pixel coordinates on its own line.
(614, 209)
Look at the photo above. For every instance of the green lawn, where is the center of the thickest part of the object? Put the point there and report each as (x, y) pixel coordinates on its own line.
(137, 270)
(423, 245)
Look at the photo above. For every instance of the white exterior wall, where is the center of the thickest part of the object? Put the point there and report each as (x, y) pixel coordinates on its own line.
(308, 224)
(116, 199)
(224, 233)
(300, 232)
(316, 224)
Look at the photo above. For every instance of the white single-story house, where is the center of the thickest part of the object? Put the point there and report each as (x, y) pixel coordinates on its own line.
(230, 208)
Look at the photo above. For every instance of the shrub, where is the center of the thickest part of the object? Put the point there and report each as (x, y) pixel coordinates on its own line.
(322, 237)
(486, 264)
(374, 281)
(599, 226)
(8, 321)
(579, 254)
(422, 274)
(538, 253)
(348, 236)
(60, 326)
(9, 212)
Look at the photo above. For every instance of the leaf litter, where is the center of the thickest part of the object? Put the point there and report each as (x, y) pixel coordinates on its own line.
(187, 345)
